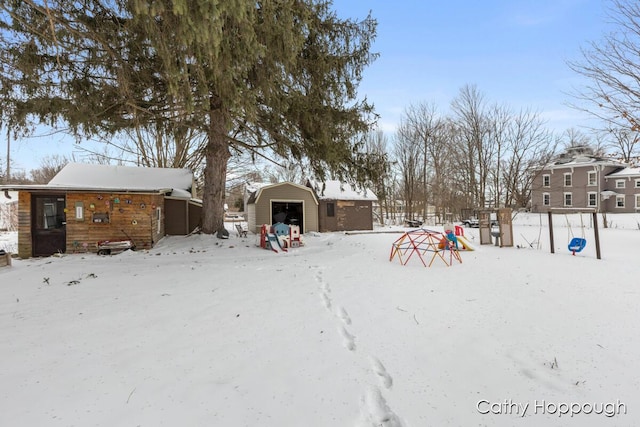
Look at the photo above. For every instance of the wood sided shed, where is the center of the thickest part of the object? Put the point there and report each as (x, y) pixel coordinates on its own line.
(86, 203)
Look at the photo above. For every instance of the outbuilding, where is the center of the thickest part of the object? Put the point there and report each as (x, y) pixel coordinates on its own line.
(284, 202)
(343, 207)
(87, 203)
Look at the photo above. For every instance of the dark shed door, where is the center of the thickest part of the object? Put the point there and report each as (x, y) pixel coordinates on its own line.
(48, 224)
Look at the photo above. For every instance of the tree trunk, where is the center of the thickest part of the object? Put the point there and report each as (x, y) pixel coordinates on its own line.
(215, 173)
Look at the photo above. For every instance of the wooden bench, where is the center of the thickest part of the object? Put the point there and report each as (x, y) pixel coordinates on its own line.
(241, 231)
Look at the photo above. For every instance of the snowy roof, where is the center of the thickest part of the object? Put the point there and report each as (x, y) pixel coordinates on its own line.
(564, 162)
(132, 178)
(252, 187)
(626, 172)
(336, 190)
(93, 177)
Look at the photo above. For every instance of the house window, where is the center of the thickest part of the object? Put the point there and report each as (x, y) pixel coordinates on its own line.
(637, 183)
(546, 180)
(159, 218)
(568, 199)
(331, 209)
(591, 178)
(546, 199)
(567, 179)
(620, 201)
(592, 199)
(619, 183)
(637, 201)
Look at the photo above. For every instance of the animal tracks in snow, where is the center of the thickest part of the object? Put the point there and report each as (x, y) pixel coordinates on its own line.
(376, 412)
(326, 301)
(344, 316)
(374, 408)
(381, 371)
(348, 340)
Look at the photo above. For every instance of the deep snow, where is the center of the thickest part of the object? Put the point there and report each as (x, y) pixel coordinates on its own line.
(206, 332)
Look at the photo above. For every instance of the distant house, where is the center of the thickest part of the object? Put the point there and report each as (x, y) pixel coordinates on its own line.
(343, 207)
(84, 204)
(285, 202)
(577, 179)
(622, 191)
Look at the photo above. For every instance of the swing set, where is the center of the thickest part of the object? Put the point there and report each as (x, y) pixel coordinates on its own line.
(576, 244)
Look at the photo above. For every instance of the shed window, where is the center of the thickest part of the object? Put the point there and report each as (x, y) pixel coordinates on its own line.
(331, 209)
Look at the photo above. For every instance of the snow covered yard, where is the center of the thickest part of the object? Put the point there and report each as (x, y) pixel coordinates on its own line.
(204, 332)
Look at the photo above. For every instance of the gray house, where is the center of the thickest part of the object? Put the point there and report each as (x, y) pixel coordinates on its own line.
(623, 191)
(578, 179)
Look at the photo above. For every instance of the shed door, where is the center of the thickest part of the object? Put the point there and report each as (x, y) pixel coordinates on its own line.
(291, 213)
(48, 225)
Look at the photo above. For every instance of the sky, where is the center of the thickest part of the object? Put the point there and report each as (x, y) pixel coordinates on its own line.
(513, 51)
(200, 331)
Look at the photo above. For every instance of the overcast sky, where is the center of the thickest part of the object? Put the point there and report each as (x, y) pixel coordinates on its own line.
(513, 51)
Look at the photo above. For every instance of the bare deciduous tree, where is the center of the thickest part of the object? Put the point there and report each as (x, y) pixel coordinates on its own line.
(477, 152)
(612, 67)
(408, 155)
(49, 167)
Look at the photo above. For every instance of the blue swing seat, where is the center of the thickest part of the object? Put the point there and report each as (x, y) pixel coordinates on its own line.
(577, 244)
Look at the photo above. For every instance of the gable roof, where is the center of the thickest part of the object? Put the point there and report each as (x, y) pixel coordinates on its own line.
(336, 190)
(258, 189)
(113, 178)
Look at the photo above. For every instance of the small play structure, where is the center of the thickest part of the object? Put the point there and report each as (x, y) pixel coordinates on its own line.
(461, 241)
(426, 245)
(279, 237)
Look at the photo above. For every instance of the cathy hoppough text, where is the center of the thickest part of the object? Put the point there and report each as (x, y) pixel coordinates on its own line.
(541, 407)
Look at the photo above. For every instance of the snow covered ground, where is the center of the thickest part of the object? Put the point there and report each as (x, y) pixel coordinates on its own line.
(208, 332)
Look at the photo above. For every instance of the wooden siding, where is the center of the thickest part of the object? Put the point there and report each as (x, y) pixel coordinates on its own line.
(195, 215)
(132, 215)
(24, 224)
(349, 215)
(285, 193)
(176, 217)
